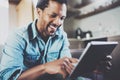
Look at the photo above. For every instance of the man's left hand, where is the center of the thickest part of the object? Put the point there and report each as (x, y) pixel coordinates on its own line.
(105, 65)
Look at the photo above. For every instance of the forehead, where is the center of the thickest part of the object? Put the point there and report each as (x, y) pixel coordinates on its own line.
(55, 7)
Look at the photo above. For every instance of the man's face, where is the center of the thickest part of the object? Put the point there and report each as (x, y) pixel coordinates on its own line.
(51, 18)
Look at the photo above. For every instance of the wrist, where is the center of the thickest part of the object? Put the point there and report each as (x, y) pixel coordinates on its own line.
(42, 69)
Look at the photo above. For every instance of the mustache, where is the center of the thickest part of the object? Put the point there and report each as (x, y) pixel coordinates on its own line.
(54, 25)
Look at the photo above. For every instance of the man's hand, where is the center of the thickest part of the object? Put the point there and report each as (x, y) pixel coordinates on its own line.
(62, 66)
(68, 64)
(104, 65)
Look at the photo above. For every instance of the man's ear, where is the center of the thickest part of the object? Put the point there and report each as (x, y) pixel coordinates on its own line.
(38, 11)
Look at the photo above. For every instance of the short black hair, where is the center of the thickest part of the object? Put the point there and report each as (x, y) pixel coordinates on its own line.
(42, 4)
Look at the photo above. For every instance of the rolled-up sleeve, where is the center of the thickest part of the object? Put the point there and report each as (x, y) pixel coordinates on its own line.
(12, 58)
(10, 73)
(65, 51)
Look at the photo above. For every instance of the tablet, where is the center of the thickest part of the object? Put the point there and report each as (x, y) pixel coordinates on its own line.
(94, 52)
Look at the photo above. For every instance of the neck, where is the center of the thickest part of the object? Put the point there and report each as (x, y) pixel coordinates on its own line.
(45, 39)
(41, 33)
(38, 26)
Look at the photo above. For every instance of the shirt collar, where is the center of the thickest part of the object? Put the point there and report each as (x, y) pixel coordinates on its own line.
(32, 31)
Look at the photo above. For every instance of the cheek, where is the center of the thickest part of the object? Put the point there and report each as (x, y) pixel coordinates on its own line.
(46, 19)
(46, 22)
(46, 28)
(45, 25)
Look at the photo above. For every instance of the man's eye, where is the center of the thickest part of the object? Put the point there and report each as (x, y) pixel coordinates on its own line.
(53, 16)
(62, 18)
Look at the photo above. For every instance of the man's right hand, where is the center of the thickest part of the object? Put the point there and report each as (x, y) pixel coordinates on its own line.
(62, 66)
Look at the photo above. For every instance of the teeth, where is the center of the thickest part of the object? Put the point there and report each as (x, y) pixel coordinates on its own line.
(52, 27)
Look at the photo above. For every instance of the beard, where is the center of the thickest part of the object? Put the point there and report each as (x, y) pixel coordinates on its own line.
(51, 29)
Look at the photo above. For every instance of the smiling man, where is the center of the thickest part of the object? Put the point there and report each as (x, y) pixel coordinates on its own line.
(50, 18)
(41, 49)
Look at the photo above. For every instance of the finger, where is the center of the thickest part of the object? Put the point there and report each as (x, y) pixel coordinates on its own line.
(108, 63)
(68, 63)
(73, 60)
(107, 66)
(109, 57)
(66, 67)
(105, 63)
(74, 64)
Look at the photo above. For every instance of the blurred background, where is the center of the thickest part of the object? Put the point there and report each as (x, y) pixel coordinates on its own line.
(87, 20)
(98, 18)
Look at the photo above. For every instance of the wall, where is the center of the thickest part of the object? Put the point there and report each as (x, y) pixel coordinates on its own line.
(102, 24)
(24, 12)
(13, 16)
(13, 23)
(3, 20)
(20, 14)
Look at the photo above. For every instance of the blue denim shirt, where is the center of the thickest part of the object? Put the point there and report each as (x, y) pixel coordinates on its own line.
(24, 49)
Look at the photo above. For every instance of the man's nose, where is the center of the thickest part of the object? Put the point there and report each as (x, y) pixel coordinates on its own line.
(57, 21)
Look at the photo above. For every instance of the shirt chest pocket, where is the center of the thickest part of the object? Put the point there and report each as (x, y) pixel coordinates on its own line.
(31, 60)
(54, 52)
(31, 57)
(52, 55)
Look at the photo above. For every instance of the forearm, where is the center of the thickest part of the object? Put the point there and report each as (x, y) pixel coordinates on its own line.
(32, 73)
(61, 66)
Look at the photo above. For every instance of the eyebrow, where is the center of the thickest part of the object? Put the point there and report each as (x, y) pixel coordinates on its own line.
(57, 14)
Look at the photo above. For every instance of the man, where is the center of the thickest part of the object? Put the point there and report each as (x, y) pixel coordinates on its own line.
(33, 51)
(41, 49)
